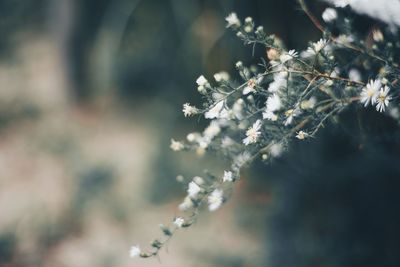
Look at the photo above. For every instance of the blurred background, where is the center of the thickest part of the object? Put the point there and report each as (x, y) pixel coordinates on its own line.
(91, 93)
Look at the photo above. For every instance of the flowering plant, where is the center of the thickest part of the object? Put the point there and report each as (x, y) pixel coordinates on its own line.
(288, 95)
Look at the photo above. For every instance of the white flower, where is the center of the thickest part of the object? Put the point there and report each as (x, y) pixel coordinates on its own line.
(273, 103)
(251, 84)
(280, 81)
(377, 35)
(215, 199)
(370, 92)
(383, 99)
(221, 76)
(189, 110)
(329, 14)
(288, 56)
(308, 104)
(176, 145)
(178, 222)
(301, 135)
(239, 64)
(232, 20)
(217, 111)
(252, 133)
(201, 81)
(269, 115)
(228, 176)
(318, 46)
(290, 115)
(276, 150)
(237, 108)
(134, 251)
(192, 137)
(355, 75)
(186, 204)
(193, 189)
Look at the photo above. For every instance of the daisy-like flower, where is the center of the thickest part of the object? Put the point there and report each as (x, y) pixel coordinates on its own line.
(288, 56)
(269, 115)
(134, 251)
(251, 84)
(382, 101)
(316, 47)
(228, 176)
(232, 20)
(273, 103)
(217, 111)
(176, 145)
(301, 135)
(370, 92)
(215, 200)
(178, 222)
(189, 110)
(193, 189)
(252, 133)
(290, 115)
(329, 14)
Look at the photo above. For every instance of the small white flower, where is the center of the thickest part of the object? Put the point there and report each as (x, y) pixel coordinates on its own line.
(232, 20)
(280, 81)
(212, 130)
(192, 137)
(290, 115)
(221, 76)
(239, 64)
(269, 115)
(186, 204)
(308, 104)
(355, 75)
(228, 176)
(276, 150)
(383, 99)
(329, 14)
(251, 84)
(134, 251)
(189, 110)
(198, 180)
(201, 81)
(288, 56)
(273, 103)
(178, 222)
(370, 92)
(253, 133)
(377, 35)
(193, 189)
(301, 135)
(215, 199)
(176, 145)
(216, 111)
(318, 46)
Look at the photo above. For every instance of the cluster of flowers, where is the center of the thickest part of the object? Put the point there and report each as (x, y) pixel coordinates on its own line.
(289, 95)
